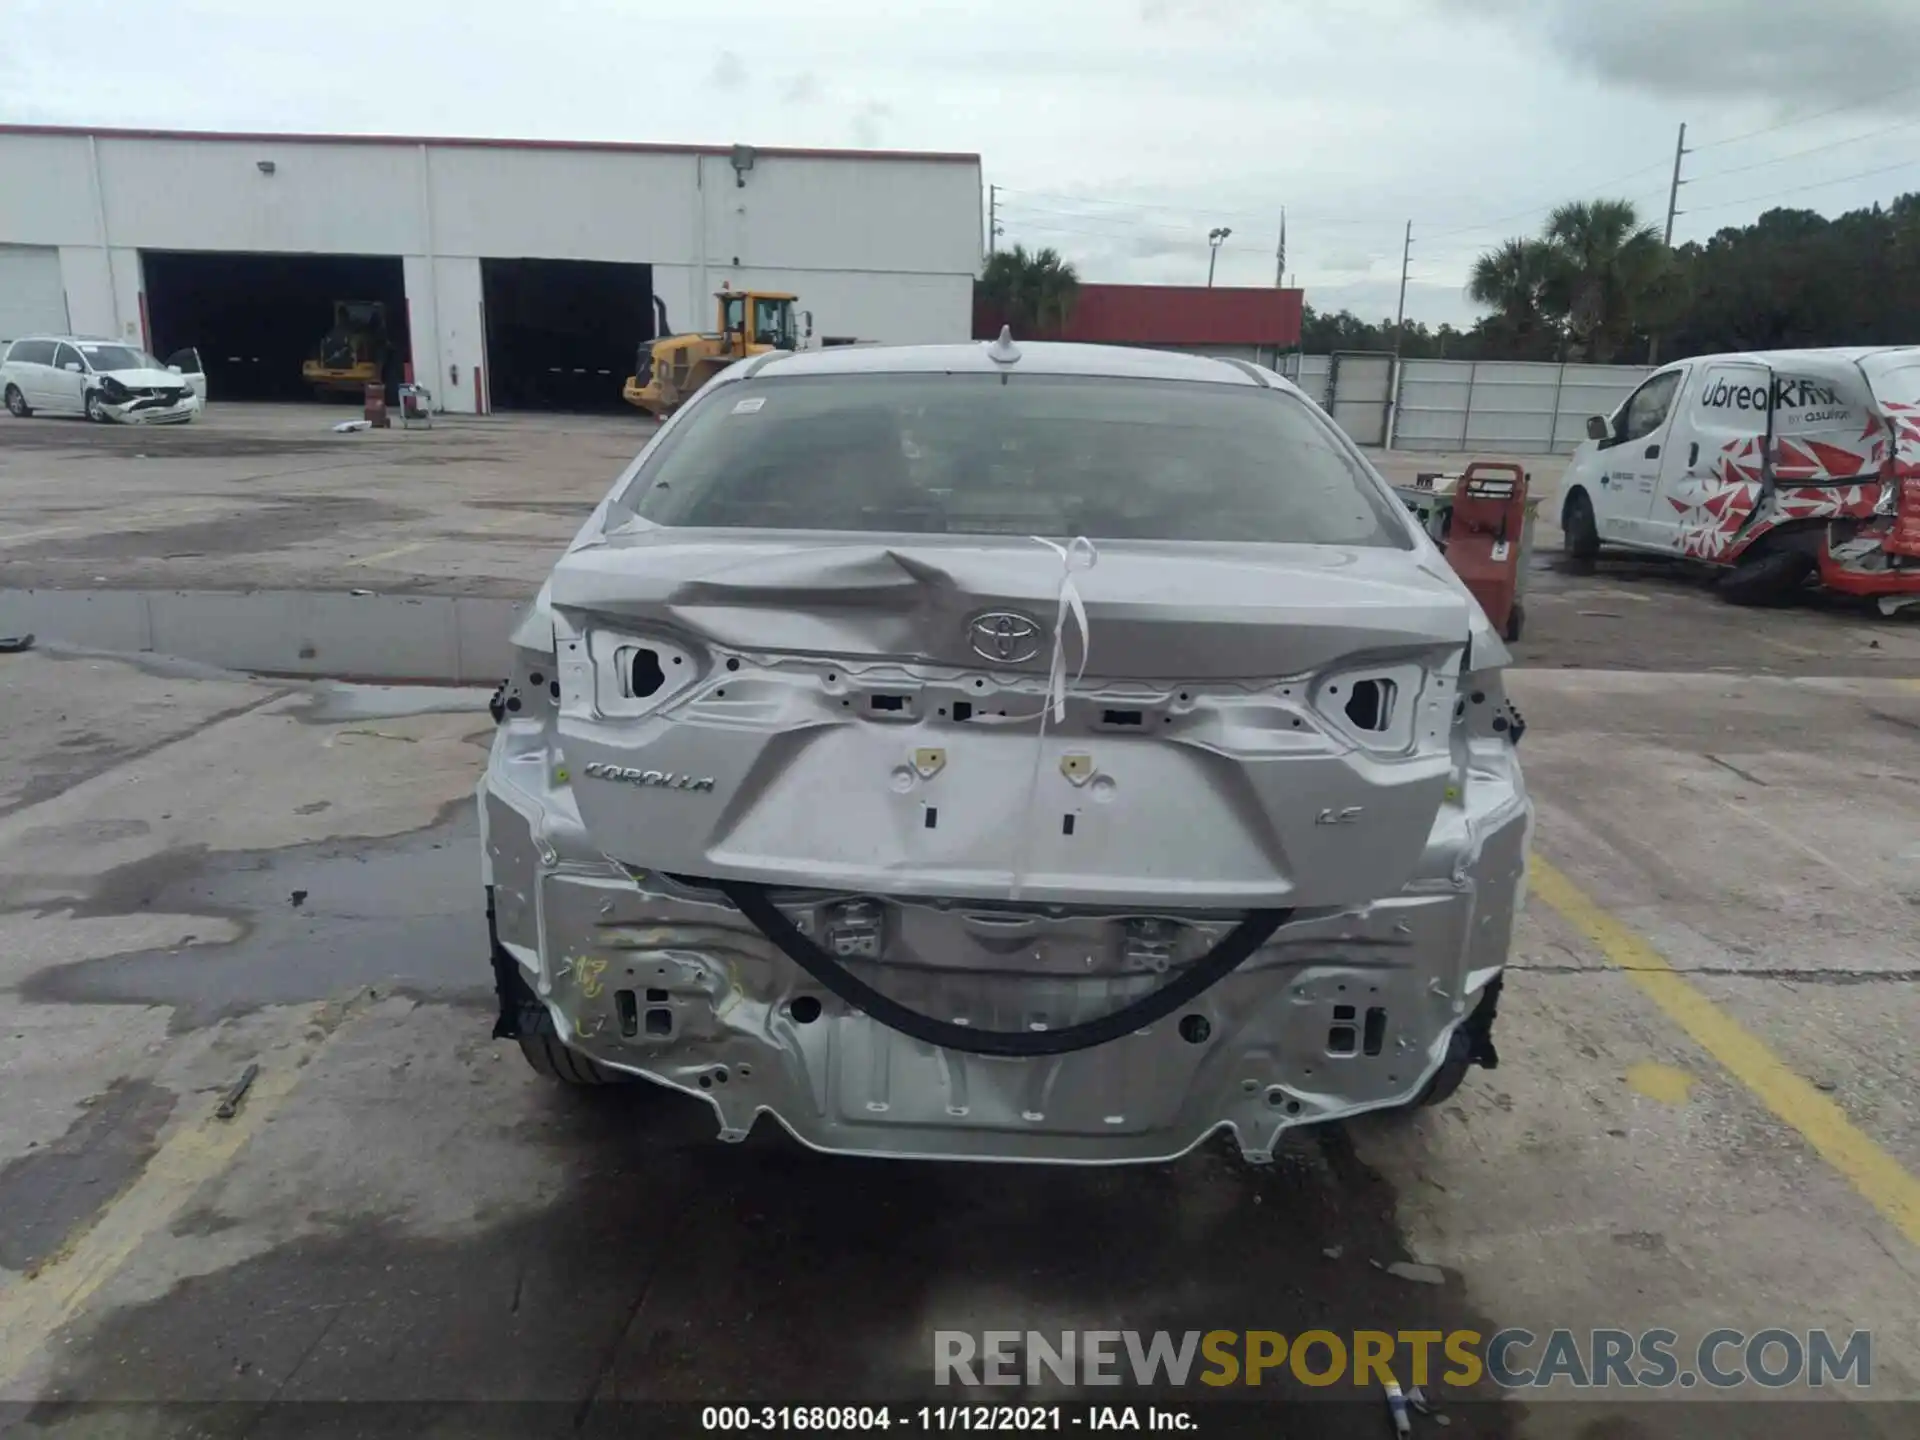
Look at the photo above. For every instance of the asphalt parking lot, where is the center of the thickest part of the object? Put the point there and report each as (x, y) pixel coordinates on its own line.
(1705, 1114)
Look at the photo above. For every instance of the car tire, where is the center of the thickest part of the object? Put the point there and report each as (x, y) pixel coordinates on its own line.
(1770, 579)
(95, 412)
(17, 403)
(1470, 1044)
(1446, 1080)
(549, 1057)
(1582, 533)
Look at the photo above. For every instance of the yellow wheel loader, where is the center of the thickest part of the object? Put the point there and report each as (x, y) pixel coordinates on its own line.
(353, 354)
(669, 369)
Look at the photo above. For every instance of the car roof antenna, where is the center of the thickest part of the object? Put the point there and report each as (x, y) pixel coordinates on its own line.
(1003, 351)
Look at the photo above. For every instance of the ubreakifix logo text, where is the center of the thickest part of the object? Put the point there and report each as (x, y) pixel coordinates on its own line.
(1746, 392)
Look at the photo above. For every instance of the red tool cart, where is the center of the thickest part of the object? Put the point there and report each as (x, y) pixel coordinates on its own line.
(1488, 538)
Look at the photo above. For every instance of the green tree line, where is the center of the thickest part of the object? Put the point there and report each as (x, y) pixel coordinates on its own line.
(1597, 284)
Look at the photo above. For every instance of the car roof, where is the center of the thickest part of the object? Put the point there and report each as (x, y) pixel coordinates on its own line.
(1038, 357)
(1823, 357)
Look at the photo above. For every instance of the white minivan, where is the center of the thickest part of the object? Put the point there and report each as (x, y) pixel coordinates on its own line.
(103, 380)
(1780, 466)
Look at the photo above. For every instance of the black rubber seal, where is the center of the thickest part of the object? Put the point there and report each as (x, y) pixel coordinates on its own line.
(1206, 972)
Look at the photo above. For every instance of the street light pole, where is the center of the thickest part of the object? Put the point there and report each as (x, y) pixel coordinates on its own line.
(1215, 238)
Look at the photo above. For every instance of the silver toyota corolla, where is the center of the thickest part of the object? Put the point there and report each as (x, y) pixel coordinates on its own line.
(1005, 752)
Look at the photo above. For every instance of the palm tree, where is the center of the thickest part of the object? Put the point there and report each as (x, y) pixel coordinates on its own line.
(1519, 279)
(1030, 290)
(1609, 262)
(1514, 279)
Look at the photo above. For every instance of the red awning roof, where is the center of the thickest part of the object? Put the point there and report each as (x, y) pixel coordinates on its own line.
(1173, 315)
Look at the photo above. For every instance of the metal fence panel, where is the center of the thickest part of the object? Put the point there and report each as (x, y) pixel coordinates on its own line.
(1515, 406)
(1593, 390)
(1434, 400)
(1309, 372)
(1361, 384)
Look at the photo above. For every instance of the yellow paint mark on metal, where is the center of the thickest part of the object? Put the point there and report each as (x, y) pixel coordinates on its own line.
(398, 550)
(35, 1306)
(588, 971)
(1668, 1084)
(1878, 1177)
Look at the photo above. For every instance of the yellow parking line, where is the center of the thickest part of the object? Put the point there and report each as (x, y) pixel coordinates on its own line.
(32, 1309)
(1887, 1186)
(36, 534)
(389, 554)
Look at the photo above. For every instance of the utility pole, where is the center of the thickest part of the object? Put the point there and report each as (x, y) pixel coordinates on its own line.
(993, 219)
(1280, 254)
(1673, 190)
(1673, 200)
(1400, 314)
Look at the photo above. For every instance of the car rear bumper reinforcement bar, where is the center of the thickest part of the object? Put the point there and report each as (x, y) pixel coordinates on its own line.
(1240, 942)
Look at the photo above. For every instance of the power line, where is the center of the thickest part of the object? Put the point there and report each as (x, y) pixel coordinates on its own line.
(1541, 209)
(1019, 222)
(1200, 212)
(1101, 226)
(1810, 150)
(1206, 210)
(1024, 206)
(1804, 119)
(1795, 190)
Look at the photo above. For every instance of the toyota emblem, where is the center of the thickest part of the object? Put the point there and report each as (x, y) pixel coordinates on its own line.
(1005, 636)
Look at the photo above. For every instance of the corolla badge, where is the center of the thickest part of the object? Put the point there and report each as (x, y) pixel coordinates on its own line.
(658, 779)
(1005, 636)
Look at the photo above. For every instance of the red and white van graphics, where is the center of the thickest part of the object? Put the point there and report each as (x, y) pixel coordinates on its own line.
(1780, 466)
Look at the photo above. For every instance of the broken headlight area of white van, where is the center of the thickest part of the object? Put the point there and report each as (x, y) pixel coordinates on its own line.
(144, 404)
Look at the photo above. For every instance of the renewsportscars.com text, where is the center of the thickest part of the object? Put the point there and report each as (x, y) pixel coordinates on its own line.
(1513, 1359)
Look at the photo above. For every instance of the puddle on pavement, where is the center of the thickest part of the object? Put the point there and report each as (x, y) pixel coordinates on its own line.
(406, 913)
(272, 522)
(333, 702)
(47, 1193)
(670, 1267)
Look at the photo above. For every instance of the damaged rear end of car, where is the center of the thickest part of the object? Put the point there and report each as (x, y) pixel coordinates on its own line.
(847, 801)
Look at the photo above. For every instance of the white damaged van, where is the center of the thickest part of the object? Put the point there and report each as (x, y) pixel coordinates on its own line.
(1779, 466)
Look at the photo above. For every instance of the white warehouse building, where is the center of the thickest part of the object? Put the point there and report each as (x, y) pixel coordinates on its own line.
(510, 273)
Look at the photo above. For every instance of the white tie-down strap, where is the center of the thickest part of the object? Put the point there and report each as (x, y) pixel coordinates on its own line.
(1077, 554)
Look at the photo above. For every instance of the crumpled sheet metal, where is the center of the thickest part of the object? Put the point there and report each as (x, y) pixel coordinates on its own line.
(1197, 611)
(583, 930)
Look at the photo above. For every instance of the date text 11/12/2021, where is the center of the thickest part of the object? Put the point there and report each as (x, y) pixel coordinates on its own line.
(848, 1419)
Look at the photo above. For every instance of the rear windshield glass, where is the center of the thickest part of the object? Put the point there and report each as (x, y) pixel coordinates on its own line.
(1036, 454)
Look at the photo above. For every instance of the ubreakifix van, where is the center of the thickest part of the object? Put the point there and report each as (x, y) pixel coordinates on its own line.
(1780, 466)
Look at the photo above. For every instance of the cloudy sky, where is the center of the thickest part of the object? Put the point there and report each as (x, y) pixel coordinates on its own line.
(1119, 131)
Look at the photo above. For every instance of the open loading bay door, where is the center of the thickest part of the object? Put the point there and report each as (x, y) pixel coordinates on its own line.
(562, 334)
(258, 320)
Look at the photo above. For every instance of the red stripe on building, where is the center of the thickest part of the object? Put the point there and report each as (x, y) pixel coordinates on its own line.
(1169, 315)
